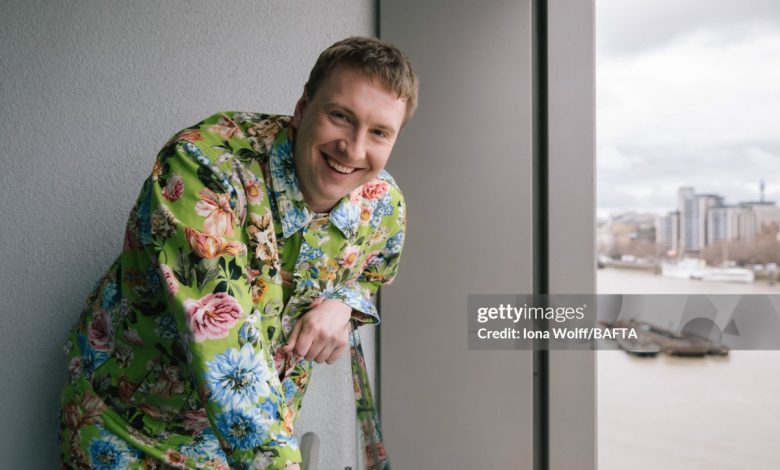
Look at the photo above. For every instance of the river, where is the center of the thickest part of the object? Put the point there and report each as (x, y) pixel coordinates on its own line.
(685, 414)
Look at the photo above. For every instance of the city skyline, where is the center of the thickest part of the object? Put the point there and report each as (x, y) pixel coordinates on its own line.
(661, 211)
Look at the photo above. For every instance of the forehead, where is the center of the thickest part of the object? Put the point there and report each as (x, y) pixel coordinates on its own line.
(361, 94)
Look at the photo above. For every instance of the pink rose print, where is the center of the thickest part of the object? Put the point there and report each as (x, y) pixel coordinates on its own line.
(374, 189)
(354, 196)
(212, 316)
(101, 332)
(170, 279)
(173, 188)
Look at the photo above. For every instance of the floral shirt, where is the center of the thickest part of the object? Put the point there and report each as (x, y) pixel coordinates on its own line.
(176, 357)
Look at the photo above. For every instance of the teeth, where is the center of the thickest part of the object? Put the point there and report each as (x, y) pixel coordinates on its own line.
(341, 169)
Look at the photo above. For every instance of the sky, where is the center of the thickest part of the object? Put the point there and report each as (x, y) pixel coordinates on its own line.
(687, 93)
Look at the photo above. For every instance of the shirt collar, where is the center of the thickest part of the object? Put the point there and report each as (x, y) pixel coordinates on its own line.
(294, 213)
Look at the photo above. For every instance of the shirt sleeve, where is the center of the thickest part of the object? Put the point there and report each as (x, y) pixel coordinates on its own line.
(380, 264)
(194, 234)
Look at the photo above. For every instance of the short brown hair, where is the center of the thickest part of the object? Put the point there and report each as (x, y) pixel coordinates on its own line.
(373, 57)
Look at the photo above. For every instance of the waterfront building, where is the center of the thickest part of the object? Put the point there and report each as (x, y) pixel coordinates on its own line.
(686, 208)
(667, 233)
(724, 222)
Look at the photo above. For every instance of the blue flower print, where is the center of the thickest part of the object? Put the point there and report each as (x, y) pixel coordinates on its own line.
(309, 253)
(346, 217)
(166, 327)
(394, 243)
(204, 448)
(383, 207)
(153, 279)
(110, 295)
(91, 358)
(384, 175)
(108, 452)
(289, 389)
(284, 145)
(248, 334)
(144, 214)
(238, 378)
(377, 260)
(269, 408)
(242, 429)
(294, 217)
(283, 170)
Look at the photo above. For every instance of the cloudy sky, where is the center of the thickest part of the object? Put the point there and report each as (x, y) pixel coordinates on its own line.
(688, 93)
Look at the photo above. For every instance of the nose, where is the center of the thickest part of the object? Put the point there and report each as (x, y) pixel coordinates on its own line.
(354, 146)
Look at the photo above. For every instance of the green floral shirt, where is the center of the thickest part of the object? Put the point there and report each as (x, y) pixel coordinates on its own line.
(176, 356)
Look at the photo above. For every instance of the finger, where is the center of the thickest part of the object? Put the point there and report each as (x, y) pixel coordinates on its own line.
(305, 339)
(325, 353)
(334, 356)
(288, 348)
(316, 348)
(340, 346)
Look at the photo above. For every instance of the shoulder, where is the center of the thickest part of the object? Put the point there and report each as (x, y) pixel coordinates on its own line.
(380, 191)
(382, 201)
(230, 125)
(392, 187)
(216, 140)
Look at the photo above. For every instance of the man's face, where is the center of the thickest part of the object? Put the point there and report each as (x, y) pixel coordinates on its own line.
(344, 135)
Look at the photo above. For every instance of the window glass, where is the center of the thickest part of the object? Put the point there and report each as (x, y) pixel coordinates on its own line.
(688, 184)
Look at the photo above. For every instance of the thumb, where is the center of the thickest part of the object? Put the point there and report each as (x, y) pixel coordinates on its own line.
(288, 348)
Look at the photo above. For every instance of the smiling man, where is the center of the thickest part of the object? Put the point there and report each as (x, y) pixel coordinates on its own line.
(251, 253)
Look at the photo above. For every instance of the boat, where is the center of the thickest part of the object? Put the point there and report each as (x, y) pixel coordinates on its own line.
(729, 275)
(638, 347)
(652, 340)
(686, 268)
(694, 268)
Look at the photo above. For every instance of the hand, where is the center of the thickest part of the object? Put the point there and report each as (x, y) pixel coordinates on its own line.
(321, 334)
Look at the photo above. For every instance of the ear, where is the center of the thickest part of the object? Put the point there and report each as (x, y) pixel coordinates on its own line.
(300, 106)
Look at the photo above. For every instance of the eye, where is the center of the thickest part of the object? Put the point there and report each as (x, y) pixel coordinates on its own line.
(379, 133)
(339, 116)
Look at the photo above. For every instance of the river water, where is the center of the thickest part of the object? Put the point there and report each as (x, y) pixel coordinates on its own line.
(686, 413)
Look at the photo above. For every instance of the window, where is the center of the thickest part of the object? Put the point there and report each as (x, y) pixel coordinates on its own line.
(688, 185)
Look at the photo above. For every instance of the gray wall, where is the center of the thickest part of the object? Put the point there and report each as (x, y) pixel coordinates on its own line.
(465, 166)
(90, 90)
(572, 215)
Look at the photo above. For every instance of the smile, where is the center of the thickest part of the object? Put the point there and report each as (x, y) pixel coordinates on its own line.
(344, 170)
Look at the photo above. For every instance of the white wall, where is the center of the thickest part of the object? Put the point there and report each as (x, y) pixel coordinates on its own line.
(89, 91)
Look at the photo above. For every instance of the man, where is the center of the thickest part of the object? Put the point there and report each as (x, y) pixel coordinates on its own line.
(254, 245)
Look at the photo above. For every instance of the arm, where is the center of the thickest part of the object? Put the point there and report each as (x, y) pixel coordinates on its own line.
(380, 265)
(321, 334)
(196, 239)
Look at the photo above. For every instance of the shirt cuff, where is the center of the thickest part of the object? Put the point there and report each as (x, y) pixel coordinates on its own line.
(363, 310)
